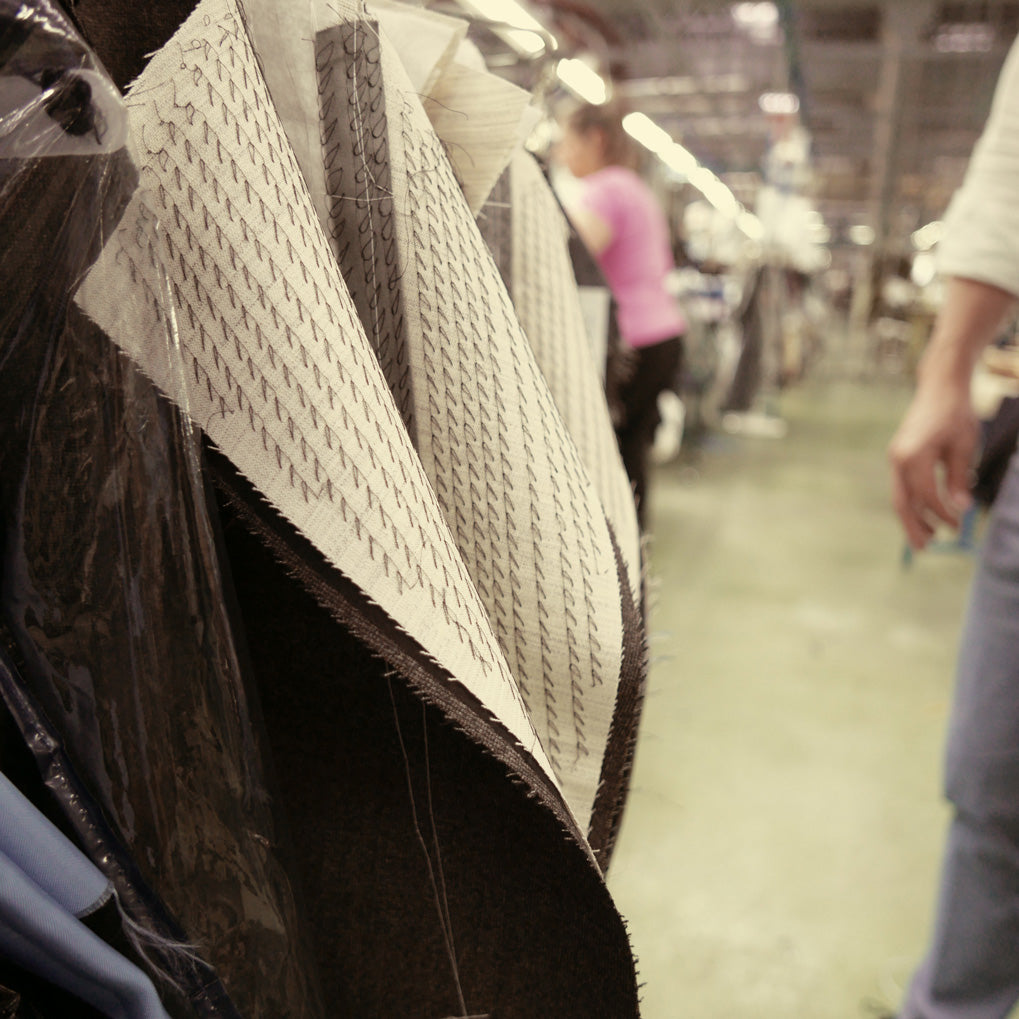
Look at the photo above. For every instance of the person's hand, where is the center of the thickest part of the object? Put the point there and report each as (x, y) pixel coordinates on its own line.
(930, 456)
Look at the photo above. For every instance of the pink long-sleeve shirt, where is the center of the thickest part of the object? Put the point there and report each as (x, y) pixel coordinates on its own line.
(638, 259)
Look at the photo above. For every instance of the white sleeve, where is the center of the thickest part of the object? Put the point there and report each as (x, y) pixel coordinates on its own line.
(981, 239)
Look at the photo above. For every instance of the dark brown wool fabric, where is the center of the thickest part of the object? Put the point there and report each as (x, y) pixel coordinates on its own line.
(442, 874)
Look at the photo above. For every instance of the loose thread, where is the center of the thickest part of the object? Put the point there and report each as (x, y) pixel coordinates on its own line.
(435, 835)
(447, 933)
(152, 947)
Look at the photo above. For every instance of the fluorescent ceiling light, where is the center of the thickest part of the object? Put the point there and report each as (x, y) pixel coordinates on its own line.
(513, 23)
(679, 159)
(755, 14)
(715, 191)
(722, 199)
(583, 80)
(862, 234)
(702, 178)
(759, 21)
(643, 129)
(927, 236)
(750, 225)
(527, 42)
(778, 103)
(507, 12)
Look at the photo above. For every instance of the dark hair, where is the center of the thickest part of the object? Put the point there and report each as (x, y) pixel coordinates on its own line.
(608, 119)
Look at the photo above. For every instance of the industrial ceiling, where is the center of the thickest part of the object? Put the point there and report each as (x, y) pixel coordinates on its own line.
(893, 94)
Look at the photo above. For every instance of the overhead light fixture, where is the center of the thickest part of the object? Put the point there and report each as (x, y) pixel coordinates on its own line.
(862, 235)
(643, 129)
(927, 236)
(526, 42)
(678, 159)
(715, 191)
(583, 80)
(759, 20)
(750, 225)
(755, 15)
(702, 178)
(723, 200)
(506, 12)
(514, 23)
(779, 103)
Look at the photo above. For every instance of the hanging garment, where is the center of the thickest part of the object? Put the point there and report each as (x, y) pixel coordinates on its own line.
(532, 245)
(510, 482)
(444, 872)
(46, 887)
(482, 121)
(120, 672)
(278, 371)
(528, 233)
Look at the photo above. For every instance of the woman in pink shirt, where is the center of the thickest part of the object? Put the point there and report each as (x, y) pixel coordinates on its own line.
(621, 223)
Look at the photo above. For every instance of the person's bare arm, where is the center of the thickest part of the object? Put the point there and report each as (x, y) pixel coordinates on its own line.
(593, 230)
(1001, 361)
(931, 453)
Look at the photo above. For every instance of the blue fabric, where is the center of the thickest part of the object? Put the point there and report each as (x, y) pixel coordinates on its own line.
(972, 968)
(45, 856)
(45, 885)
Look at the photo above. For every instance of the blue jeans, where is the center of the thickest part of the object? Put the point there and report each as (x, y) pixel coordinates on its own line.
(972, 968)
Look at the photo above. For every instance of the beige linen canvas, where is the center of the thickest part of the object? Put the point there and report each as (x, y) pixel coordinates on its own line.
(512, 486)
(276, 366)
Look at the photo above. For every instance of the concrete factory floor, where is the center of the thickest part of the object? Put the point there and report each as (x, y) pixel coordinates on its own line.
(779, 854)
